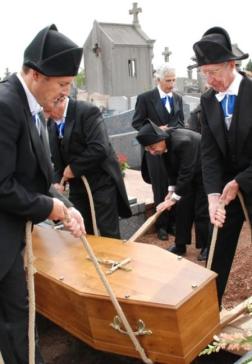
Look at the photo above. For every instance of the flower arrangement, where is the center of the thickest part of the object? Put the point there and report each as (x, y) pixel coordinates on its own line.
(123, 162)
(232, 342)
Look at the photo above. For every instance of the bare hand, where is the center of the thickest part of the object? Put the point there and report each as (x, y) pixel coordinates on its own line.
(168, 196)
(217, 210)
(74, 222)
(58, 210)
(165, 205)
(59, 187)
(230, 191)
(163, 127)
(68, 174)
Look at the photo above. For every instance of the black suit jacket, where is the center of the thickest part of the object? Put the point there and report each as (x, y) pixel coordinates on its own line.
(86, 148)
(215, 154)
(149, 105)
(182, 159)
(25, 173)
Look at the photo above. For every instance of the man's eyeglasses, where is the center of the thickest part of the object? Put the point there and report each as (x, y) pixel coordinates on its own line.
(212, 72)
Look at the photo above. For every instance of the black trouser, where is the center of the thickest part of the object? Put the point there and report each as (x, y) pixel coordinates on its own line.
(226, 244)
(159, 182)
(106, 209)
(193, 208)
(14, 316)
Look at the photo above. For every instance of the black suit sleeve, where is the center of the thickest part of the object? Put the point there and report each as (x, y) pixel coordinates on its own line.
(187, 153)
(18, 195)
(95, 148)
(141, 112)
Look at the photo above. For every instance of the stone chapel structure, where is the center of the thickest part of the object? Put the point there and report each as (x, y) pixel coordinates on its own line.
(118, 58)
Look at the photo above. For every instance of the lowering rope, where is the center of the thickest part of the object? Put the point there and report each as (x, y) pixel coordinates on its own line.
(31, 292)
(91, 203)
(215, 230)
(114, 300)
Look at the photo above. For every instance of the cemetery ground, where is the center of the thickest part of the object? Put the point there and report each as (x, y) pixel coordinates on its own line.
(59, 347)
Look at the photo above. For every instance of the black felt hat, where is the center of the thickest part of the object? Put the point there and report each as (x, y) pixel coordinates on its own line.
(215, 47)
(150, 134)
(53, 54)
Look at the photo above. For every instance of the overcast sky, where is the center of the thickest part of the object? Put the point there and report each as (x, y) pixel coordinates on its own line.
(174, 24)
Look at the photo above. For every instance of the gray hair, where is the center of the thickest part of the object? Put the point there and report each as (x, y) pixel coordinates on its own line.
(163, 70)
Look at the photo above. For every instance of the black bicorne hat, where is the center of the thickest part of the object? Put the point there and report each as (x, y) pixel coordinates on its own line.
(150, 134)
(53, 54)
(215, 47)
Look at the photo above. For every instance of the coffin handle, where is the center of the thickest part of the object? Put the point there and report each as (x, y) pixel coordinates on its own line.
(141, 328)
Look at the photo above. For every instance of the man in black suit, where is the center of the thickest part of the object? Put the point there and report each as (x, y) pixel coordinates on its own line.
(226, 143)
(165, 108)
(83, 149)
(179, 149)
(50, 62)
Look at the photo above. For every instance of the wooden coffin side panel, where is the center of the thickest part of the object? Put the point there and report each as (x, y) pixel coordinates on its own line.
(199, 321)
(63, 307)
(175, 333)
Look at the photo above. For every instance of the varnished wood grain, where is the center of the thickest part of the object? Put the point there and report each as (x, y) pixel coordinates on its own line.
(175, 298)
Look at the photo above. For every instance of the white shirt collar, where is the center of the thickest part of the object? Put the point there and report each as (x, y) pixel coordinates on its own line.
(162, 93)
(233, 88)
(34, 106)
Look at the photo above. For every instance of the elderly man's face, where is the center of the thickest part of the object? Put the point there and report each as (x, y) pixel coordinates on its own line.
(218, 76)
(49, 90)
(167, 83)
(157, 148)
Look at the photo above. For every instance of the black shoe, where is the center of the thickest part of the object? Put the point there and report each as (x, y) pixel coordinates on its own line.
(176, 249)
(162, 234)
(203, 255)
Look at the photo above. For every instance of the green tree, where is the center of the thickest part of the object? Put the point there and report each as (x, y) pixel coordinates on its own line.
(80, 79)
(249, 66)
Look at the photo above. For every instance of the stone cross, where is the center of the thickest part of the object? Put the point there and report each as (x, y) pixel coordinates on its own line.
(134, 11)
(166, 53)
(189, 73)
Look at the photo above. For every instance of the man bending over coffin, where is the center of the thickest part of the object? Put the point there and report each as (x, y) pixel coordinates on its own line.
(80, 147)
(180, 150)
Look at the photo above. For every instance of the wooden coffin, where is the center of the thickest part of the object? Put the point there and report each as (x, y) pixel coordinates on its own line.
(175, 298)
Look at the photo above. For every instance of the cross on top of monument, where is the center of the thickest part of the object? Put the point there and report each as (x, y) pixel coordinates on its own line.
(134, 11)
(166, 53)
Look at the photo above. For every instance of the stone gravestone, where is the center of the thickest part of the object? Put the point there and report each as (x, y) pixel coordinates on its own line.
(189, 103)
(118, 103)
(123, 137)
(123, 140)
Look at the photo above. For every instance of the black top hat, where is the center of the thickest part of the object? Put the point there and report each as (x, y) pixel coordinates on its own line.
(53, 54)
(214, 47)
(150, 134)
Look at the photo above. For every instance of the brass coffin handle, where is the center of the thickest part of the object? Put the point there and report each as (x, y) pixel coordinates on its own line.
(141, 328)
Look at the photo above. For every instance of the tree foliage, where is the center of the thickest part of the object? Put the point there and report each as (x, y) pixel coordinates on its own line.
(80, 79)
(249, 66)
